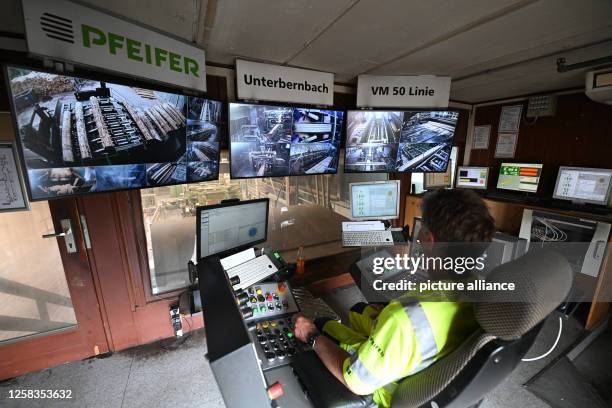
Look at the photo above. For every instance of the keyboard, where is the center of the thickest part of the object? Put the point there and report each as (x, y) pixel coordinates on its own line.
(366, 238)
(253, 271)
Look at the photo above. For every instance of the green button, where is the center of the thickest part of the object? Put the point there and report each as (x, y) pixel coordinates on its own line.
(289, 334)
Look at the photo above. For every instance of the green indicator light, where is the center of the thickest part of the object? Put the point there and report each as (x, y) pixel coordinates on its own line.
(289, 334)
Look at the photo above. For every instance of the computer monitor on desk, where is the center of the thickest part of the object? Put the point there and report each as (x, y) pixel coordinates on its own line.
(375, 200)
(472, 177)
(230, 227)
(583, 185)
(522, 177)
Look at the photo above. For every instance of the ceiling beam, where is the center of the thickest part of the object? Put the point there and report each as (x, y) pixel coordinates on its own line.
(460, 30)
(320, 33)
(528, 60)
(206, 22)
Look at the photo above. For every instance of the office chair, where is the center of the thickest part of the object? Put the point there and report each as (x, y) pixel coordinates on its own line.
(509, 323)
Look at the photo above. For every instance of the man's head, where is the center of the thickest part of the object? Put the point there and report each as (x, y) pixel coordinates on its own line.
(455, 216)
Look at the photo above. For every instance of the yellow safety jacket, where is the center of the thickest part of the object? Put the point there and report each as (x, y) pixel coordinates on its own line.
(405, 338)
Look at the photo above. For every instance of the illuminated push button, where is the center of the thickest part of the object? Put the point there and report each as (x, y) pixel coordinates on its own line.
(253, 299)
(290, 334)
(262, 309)
(258, 291)
(265, 325)
(269, 297)
(273, 323)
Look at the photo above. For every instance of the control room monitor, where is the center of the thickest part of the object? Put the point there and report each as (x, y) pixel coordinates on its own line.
(399, 141)
(583, 185)
(472, 177)
(227, 228)
(523, 177)
(378, 200)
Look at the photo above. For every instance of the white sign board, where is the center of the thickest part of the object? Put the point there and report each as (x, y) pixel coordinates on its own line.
(421, 91)
(265, 82)
(510, 119)
(12, 196)
(67, 31)
(480, 137)
(506, 145)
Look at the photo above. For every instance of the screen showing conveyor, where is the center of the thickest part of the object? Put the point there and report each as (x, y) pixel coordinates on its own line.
(399, 141)
(273, 141)
(79, 135)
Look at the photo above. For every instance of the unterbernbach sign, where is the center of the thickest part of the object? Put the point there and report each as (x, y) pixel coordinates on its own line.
(68, 31)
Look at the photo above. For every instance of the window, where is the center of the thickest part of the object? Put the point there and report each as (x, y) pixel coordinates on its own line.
(417, 179)
(304, 211)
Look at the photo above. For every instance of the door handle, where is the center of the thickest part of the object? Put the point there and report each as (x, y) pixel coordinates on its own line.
(66, 225)
(54, 235)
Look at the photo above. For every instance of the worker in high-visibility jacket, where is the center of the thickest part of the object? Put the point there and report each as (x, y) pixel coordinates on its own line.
(386, 343)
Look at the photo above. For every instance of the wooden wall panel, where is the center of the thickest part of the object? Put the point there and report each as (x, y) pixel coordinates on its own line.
(580, 134)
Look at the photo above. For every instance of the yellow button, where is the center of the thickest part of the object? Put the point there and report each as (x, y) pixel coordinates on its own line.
(273, 323)
(259, 291)
(265, 325)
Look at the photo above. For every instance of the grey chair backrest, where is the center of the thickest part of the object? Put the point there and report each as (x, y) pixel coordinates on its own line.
(543, 280)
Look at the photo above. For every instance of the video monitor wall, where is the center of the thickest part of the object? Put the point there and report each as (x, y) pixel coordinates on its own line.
(79, 135)
(399, 141)
(273, 141)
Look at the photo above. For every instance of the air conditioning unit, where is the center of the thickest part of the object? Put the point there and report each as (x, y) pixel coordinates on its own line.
(598, 85)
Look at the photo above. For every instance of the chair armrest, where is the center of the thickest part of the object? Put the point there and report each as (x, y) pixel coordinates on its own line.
(323, 389)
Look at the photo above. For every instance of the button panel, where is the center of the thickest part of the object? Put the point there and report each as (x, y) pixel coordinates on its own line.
(275, 342)
(270, 300)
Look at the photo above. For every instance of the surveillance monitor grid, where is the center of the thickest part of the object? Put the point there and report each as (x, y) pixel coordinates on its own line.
(273, 141)
(399, 141)
(79, 135)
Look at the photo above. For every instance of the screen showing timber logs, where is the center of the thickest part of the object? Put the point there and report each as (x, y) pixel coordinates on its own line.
(273, 141)
(79, 136)
(399, 141)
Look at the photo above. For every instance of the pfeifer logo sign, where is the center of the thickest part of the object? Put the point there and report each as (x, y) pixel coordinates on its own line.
(420, 91)
(68, 31)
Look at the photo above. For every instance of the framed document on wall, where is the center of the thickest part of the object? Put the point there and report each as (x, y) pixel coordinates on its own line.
(12, 193)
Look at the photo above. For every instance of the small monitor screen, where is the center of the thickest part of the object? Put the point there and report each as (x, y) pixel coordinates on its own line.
(583, 185)
(472, 177)
(519, 177)
(231, 226)
(438, 180)
(79, 135)
(274, 141)
(375, 200)
(399, 141)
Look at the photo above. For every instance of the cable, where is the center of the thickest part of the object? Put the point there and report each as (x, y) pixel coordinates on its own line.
(552, 348)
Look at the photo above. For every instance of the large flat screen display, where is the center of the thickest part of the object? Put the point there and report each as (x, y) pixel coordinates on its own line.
(273, 141)
(78, 135)
(399, 141)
